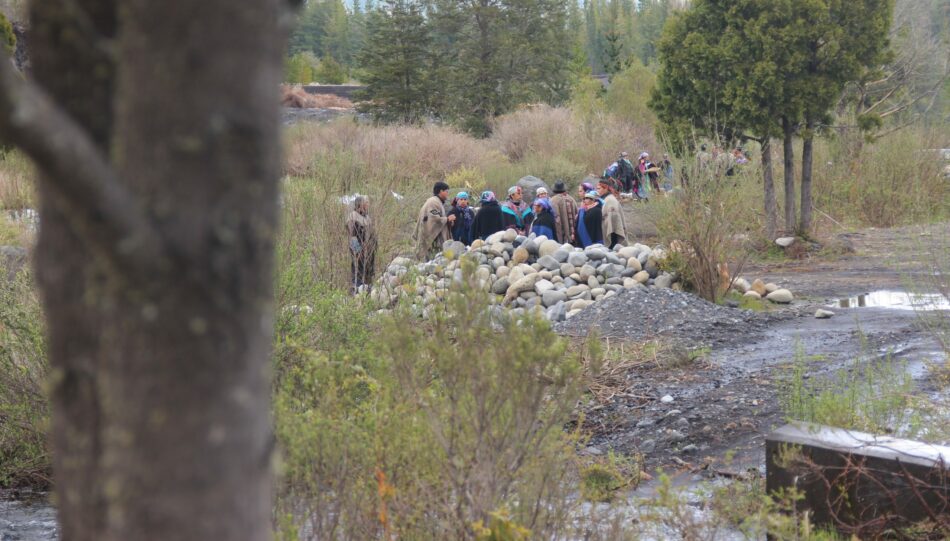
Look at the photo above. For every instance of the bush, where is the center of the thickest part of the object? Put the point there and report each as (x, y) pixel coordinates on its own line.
(426, 431)
(24, 411)
(329, 72)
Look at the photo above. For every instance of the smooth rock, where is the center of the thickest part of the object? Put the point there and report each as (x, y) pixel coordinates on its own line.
(634, 263)
(597, 292)
(667, 399)
(548, 247)
(630, 283)
(477, 243)
(531, 246)
(495, 237)
(741, 285)
(579, 289)
(593, 282)
(652, 268)
(596, 254)
(628, 251)
(759, 287)
(586, 272)
(501, 272)
(642, 277)
(566, 269)
(824, 314)
(520, 256)
(500, 287)
(548, 263)
(543, 285)
(780, 296)
(578, 259)
(515, 274)
(785, 242)
(752, 295)
(580, 304)
(560, 255)
(770, 287)
(664, 280)
(510, 235)
(551, 298)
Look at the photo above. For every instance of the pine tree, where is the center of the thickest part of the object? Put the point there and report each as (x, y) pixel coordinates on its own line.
(395, 61)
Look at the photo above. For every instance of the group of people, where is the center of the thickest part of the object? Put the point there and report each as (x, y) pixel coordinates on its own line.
(596, 219)
(638, 180)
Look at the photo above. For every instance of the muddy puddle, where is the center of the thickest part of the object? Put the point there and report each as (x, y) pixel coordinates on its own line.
(895, 300)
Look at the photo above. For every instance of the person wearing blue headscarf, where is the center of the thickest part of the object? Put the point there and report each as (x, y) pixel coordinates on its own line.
(589, 221)
(544, 220)
(462, 229)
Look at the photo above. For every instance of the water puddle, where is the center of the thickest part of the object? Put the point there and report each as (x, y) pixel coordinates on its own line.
(27, 520)
(896, 300)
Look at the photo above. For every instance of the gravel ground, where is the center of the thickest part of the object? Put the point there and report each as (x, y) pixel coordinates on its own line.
(647, 313)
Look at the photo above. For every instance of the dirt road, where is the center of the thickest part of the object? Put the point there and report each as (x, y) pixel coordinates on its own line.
(726, 404)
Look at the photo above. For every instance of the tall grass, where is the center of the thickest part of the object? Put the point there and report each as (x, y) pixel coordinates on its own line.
(16, 181)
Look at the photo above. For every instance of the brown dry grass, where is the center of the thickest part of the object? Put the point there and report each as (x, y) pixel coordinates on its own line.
(16, 181)
(295, 96)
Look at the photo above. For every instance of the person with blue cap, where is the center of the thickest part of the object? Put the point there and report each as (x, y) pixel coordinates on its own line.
(462, 229)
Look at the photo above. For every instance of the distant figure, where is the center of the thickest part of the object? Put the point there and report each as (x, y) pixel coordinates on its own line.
(667, 167)
(589, 221)
(565, 213)
(544, 222)
(614, 228)
(621, 171)
(703, 159)
(488, 219)
(651, 171)
(515, 213)
(541, 193)
(362, 235)
(464, 219)
(583, 189)
(432, 225)
(642, 178)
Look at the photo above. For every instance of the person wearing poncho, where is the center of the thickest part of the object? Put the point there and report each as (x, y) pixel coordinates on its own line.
(464, 219)
(488, 218)
(433, 227)
(615, 228)
(589, 221)
(544, 222)
(362, 233)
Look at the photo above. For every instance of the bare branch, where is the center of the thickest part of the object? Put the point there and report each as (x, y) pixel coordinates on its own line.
(82, 180)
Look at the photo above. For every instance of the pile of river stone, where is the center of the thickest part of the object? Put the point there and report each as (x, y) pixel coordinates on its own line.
(527, 273)
(537, 273)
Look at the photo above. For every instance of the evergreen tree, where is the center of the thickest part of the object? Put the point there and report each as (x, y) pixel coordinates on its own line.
(395, 61)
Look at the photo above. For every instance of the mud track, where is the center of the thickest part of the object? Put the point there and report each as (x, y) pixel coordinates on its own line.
(726, 405)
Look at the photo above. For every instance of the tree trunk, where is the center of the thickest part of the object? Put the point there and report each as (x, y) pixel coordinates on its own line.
(808, 147)
(789, 149)
(64, 54)
(159, 343)
(771, 208)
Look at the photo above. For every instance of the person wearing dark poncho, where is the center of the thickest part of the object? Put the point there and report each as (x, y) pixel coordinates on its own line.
(488, 218)
(590, 221)
(544, 221)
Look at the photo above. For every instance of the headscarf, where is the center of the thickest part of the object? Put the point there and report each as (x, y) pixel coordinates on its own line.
(462, 195)
(545, 204)
(592, 194)
(587, 187)
(487, 196)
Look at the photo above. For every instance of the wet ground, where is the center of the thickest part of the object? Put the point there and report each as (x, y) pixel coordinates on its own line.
(723, 406)
(26, 517)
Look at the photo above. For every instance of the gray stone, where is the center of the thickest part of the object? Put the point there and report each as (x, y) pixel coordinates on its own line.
(642, 277)
(652, 268)
(552, 297)
(500, 286)
(643, 257)
(593, 282)
(557, 313)
(634, 263)
(548, 247)
(824, 314)
(560, 255)
(741, 285)
(627, 252)
(770, 287)
(615, 281)
(675, 435)
(529, 186)
(780, 296)
(509, 236)
(664, 280)
(543, 285)
(578, 259)
(785, 242)
(648, 446)
(613, 259)
(596, 253)
(566, 269)
(643, 423)
(495, 238)
(667, 399)
(549, 263)
(597, 292)
(586, 272)
(532, 302)
(577, 290)
(752, 295)
(531, 246)
(689, 449)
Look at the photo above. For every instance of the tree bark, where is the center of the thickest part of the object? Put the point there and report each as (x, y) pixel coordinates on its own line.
(788, 144)
(160, 381)
(808, 147)
(80, 77)
(771, 208)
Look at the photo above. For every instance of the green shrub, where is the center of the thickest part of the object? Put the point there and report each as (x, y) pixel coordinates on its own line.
(602, 479)
(329, 72)
(24, 411)
(421, 430)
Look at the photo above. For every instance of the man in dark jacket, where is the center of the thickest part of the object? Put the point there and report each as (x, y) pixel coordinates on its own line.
(488, 218)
